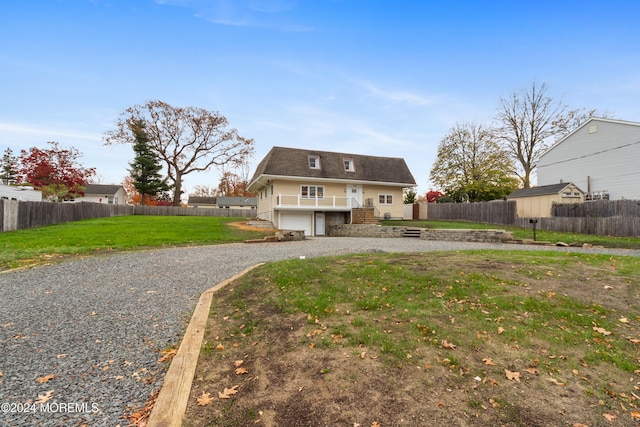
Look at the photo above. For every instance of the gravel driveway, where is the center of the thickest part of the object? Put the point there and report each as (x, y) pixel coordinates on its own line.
(84, 336)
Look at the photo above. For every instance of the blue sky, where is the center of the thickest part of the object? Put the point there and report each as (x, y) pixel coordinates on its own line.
(374, 77)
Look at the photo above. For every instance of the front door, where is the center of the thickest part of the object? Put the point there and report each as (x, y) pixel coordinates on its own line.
(354, 192)
(319, 224)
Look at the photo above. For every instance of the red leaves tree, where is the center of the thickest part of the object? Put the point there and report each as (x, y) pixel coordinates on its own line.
(55, 171)
(433, 196)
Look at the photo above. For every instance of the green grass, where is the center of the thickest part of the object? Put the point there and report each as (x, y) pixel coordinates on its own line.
(544, 314)
(527, 233)
(26, 247)
(398, 306)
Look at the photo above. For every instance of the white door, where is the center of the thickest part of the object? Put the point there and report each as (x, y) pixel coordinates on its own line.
(319, 223)
(296, 221)
(354, 192)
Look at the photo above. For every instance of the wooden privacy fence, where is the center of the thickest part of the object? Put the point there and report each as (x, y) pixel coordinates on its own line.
(16, 215)
(498, 212)
(599, 208)
(608, 226)
(604, 217)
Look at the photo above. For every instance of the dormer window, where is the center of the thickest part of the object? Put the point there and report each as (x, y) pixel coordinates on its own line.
(348, 165)
(314, 162)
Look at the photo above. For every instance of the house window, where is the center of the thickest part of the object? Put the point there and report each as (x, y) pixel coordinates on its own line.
(314, 162)
(385, 199)
(348, 165)
(312, 191)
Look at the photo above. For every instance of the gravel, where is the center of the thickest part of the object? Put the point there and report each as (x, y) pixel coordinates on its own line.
(87, 333)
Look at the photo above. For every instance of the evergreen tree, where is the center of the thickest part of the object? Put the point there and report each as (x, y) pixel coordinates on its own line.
(145, 168)
(8, 167)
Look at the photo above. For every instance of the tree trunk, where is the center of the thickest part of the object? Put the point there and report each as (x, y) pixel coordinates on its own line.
(177, 189)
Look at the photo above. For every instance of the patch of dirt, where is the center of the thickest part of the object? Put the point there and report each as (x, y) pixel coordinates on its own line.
(244, 225)
(283, 379)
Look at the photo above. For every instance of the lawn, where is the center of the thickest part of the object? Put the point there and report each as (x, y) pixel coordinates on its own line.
(478, 338)
(122, 233)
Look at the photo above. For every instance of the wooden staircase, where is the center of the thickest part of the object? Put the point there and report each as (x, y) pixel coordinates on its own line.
(364, 216)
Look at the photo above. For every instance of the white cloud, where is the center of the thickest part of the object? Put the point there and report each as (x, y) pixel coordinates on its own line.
(271, 14)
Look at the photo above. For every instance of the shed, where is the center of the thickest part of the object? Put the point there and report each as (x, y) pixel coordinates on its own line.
(537, 201)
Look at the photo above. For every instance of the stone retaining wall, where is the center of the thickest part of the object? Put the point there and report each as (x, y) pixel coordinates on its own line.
(370, 230)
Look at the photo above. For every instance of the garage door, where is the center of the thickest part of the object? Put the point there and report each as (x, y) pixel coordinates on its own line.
(296, 221)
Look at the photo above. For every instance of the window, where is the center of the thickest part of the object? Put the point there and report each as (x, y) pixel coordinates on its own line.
(314, 162)
(385, 199)
(348, 165)
(312, 191)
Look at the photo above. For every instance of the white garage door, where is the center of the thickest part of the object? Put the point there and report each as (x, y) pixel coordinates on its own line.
(296, 221)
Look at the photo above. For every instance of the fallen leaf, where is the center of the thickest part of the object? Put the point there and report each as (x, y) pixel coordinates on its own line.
(602, 331)
(635, 415)
(220, 347)
(494, 403)
(532, 371)
(633, 341)
(167, 355)
(488, 361)
(242, 370)
(46, 378)
(205, 399)
(500, 330)
(512, 375)
(60, 356)
(375, 424)
(609, 417)
(623, 320)
(119, 377)
(607, 287)
(43, 398)
(93, 313)
(1, 373)
(228, 392)
(579, 425)
(448, 345)
(238, 363)
(556, 382)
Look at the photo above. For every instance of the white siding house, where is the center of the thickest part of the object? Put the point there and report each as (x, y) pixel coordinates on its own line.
(602, 157)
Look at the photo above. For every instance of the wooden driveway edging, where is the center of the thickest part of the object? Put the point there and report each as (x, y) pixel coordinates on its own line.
(173, 398)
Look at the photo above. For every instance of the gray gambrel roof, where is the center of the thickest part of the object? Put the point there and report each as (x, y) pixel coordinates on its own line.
(294, 162)
(101, 189)
(543, 190)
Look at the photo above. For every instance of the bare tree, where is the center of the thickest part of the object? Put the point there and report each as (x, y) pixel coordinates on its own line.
(526, 127)
(204, 191)
(573, 119)
(187, 139)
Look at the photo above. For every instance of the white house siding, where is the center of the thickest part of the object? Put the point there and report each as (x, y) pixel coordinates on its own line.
(605, 159)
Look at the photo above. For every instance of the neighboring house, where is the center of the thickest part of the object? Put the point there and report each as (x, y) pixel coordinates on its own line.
(310, 190)
(100, 193)
(24, 193)
(237, 202)
(601, 156)
(202, 202)
(537, 201)
(223, 202)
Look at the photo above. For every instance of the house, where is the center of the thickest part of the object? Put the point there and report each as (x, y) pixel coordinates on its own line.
(223, 202)
(537, 201)
(25, 193)
(202, 202)
(100, 193)
(601, 156)
(237, 202)
(311, 190)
